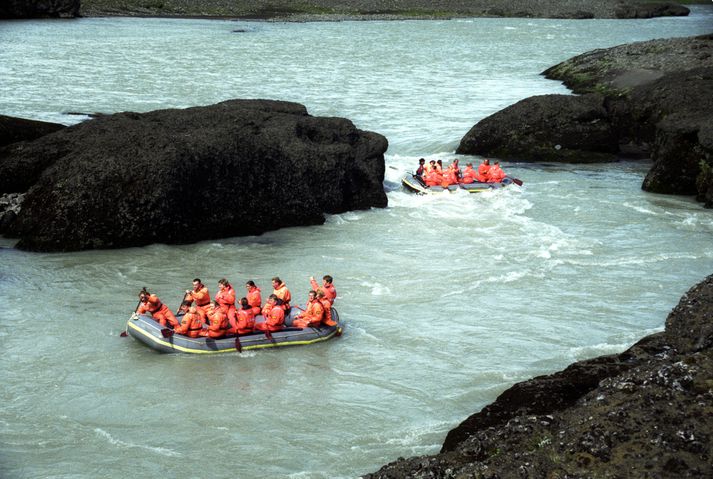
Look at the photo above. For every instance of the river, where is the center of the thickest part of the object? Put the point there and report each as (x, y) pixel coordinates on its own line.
(447, 300)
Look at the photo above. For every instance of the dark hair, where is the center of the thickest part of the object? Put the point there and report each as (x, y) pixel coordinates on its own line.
(244, 303)
(277, 279)
(273, 297)
(422, 160)
(144, 292)
(250, 283)
(224, 282)
(328, 278)
(197, 280)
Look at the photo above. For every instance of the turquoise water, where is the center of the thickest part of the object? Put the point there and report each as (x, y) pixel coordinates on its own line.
(448, 300)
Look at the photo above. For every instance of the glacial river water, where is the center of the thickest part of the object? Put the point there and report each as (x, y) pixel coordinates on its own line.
(448, 300)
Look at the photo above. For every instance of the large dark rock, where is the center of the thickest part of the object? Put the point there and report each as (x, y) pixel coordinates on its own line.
(546, 128)
(19, 129)
(643, 413)
(651, 10)
(240, 167)
(39, 8)
(647, 99)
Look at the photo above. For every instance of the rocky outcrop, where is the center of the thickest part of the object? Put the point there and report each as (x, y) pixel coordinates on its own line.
(39, 8)
(546, 128)
(19, 129)
(649, 99)
(643, 413)
(326, 10)
(240, 167)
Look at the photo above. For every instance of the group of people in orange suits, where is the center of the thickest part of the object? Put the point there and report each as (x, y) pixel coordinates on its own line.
(221, 317)
(433, 173)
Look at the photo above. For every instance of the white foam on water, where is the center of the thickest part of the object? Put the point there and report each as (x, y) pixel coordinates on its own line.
(128, 445)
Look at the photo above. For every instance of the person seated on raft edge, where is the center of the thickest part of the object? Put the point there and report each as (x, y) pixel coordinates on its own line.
(327, 305)
(421, 167)
(150, 303)
(282, 293)
(434, 177)
(254, 297)
(191, 323)
(200, 295)
(468, 174)
(429, 167)
(313, 315)
(327, 287)
(495, 173)
(246, 319)
(218, 326)
(449, 177)
(225, 297)
(274, 316)
(483, 170)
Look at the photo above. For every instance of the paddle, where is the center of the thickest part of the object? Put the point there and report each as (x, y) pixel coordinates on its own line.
(516, 181)
(167, 333)
(238, 346)
(125, 332)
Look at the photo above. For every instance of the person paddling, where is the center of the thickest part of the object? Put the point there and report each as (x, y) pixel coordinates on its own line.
(150, 303)
(200, 295)
(191, 323)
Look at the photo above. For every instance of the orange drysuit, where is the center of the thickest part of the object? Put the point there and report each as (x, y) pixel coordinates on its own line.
(254, 299)
(496, 174)
(245, 322)
(327, 305)
(468, 175)
(312, 316)
(218, 324)
(434, 178)
(274, 321)
(158, 310)
(449, 177)
(226, 300)
(191, 325)
(329, 291)
(284, 294)
(201, 296)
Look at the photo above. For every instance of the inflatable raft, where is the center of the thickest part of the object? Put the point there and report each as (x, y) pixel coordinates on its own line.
(414, 183)
(149, 332)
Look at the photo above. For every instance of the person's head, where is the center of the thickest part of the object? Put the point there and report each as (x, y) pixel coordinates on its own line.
(250, 284)
(197, 283)
(312, 295)
(486, 161)
(223, 283)
(469, 165)
(421, 161)
(244, 303)
(327, 279)
(272, 299)
(276, 281)
(432, 162)
(440, 162)
(497, 162)
(144, 295)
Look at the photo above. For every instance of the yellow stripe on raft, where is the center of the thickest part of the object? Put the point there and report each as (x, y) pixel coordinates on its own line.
(228, 350)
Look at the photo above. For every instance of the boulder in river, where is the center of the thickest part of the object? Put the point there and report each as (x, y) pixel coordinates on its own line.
(241, 167)
(39, 8)
(20, 129)
(646, 412)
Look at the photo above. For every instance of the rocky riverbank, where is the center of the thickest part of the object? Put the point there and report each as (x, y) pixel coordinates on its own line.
(240, 167)
(331, 10)
(643, 413)
(647, 99)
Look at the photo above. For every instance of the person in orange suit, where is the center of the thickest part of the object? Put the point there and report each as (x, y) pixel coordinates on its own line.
(450, 177)
(246, 319)
(313, 315)
(468, 174)
(274, 316)
(327, 286)
(191, 324)
(483, 170)
(254, 297)
(150, 303)
(225, 297)
(200, 295)
(434, 177)
(218, 326)
(283, 294)
(327, 305)
(496, 174)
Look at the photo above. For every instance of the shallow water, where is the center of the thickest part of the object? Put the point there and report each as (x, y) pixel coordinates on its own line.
(448, 299)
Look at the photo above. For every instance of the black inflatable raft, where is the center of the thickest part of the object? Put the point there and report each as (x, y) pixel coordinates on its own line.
(147, 331)
(414, 183)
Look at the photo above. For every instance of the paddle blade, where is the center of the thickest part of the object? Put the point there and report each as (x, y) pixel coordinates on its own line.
(123, 334)
(516, 181)
(238, 346)
(166, 333)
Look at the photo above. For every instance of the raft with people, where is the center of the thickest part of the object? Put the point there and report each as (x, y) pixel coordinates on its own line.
(146, 330)
(433, 178)
(202, 326)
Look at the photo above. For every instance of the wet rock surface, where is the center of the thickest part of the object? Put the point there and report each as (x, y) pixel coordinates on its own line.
(20, 129)
(653, 99)
(643, 413)
(11, 9)
(241, 167)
